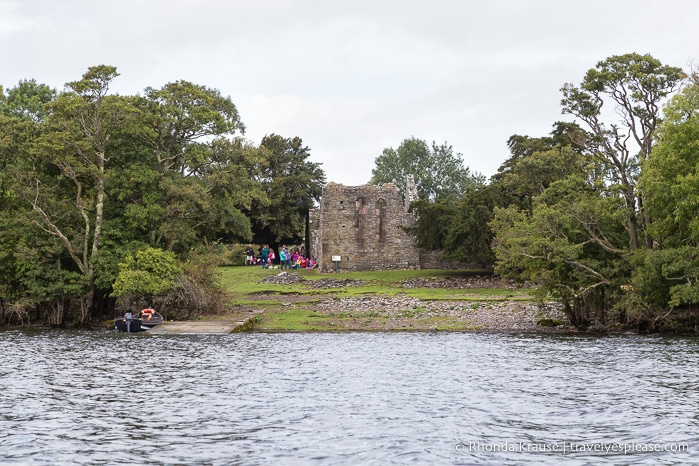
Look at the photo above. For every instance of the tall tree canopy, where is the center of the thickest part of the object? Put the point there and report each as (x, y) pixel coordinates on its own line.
(90, 179)
(670, 187)
(74, 142)
(292, 183)
(597, 215)
(636, 85)
(27, 100)
(582, 238)
(459, 225)
(437, 170)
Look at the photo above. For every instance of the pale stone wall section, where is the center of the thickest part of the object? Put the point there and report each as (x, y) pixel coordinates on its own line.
(364, 226)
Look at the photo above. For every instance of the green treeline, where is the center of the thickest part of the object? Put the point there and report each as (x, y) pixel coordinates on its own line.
(103, 195)
(604, 212)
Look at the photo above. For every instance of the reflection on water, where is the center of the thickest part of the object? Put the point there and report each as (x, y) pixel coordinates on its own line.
(357, 398)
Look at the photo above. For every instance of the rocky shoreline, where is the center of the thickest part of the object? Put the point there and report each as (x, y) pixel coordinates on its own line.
(412, 313)
(407, 313)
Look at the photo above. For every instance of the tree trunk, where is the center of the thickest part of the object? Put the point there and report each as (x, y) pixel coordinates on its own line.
(600, 317)
(575, 313)
(55, 313)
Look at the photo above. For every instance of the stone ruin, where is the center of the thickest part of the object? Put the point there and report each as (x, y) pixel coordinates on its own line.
(361, 228)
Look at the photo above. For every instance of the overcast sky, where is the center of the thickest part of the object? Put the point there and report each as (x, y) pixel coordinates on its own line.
(354, 77)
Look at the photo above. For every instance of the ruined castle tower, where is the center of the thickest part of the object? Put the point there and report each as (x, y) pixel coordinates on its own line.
(359, 228)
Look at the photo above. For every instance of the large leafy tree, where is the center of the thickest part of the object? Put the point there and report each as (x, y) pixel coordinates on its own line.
(35, 268)
(670, 187)
(75, 145)
(89, 178)
(571, 243)
(293, 185)
(14, 239)
(582, 238)
(636, 85)
(27, 100)
(437, 170)
(459, 225)
(181, 114)
(189, 185)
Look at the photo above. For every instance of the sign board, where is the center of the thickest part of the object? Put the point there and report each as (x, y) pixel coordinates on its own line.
(337, 258)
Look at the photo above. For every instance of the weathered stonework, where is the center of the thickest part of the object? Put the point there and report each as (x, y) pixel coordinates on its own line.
(363, 227)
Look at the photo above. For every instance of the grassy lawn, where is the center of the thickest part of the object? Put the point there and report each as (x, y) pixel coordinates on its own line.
(289, 307)
(243, 282)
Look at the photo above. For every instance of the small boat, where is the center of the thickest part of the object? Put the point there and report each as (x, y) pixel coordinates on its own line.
(146, 319)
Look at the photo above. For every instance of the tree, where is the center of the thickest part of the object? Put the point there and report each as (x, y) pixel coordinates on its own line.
(15, 228)
(27, 100)
(179, 115)
(147, 273)
(571, 243)
(670, 187)
(75, 143)
(88, 179)
(436, 169)
(194, 188)
(636, 84)
(459, 226)
(581, 237)
(293, 185)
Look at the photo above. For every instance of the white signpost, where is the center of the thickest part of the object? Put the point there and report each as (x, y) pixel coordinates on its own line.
(336, 261)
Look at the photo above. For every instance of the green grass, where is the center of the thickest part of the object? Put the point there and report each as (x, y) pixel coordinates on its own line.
(242, 282)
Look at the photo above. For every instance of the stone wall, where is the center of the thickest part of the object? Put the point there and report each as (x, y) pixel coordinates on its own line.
(434, 260)
(363, 227)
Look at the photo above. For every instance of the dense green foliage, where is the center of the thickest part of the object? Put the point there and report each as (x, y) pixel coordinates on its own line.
(148, 273)
(602, 215)
(436, 169)
(105, 196)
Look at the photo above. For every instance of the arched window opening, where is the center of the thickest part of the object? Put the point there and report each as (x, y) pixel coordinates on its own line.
(381, 215)
(359, 215)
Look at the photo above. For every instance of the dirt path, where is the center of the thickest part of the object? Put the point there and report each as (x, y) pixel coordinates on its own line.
(216, 325)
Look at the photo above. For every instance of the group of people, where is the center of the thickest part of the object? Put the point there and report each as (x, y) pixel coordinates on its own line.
(294, 258)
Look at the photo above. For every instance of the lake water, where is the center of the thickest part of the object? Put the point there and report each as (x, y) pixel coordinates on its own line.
(347, 398)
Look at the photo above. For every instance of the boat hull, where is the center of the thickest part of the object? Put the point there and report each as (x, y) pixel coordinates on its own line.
(152, 322)
(121, 325)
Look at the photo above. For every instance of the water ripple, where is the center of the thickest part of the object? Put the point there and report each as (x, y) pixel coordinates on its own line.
(359, 398)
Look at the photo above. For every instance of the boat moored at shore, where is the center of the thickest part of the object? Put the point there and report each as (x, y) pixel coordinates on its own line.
(146, 319)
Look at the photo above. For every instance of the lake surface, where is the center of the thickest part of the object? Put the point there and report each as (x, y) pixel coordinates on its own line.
(347, 398)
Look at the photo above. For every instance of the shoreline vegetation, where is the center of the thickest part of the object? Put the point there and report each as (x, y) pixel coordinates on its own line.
(119, 202)
(275, 300)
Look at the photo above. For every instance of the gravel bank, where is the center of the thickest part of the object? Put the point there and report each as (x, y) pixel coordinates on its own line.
(383, 313)
(393, 313)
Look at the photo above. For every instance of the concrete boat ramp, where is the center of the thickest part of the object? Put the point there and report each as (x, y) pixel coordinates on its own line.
(229, 324)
